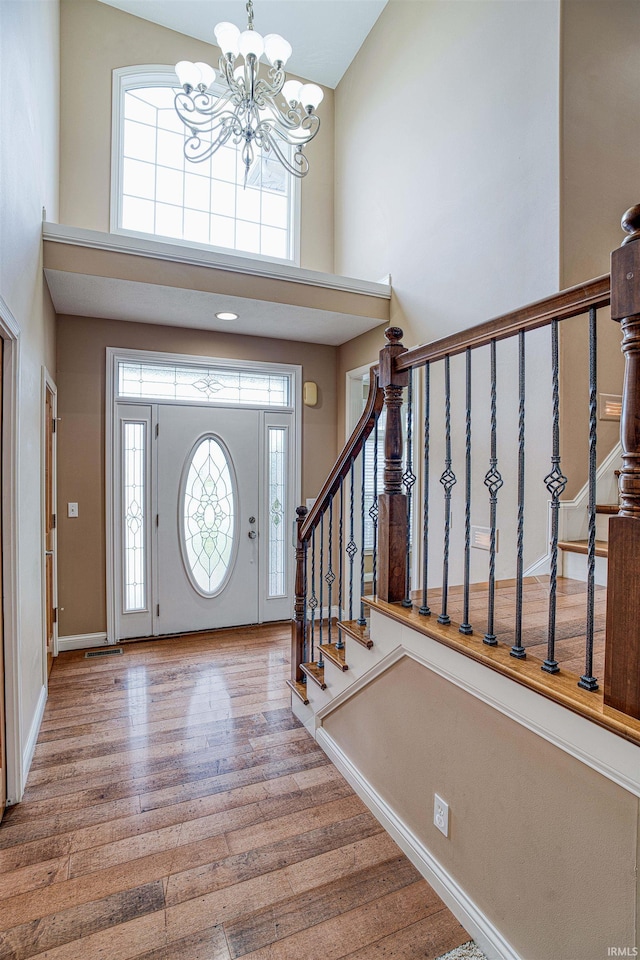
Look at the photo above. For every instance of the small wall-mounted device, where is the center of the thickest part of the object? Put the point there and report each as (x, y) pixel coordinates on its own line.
(609, 406)
(72, 509)
(310, 393)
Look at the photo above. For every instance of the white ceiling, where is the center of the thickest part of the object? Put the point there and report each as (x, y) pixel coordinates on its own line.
(325, 34)
(78, 294)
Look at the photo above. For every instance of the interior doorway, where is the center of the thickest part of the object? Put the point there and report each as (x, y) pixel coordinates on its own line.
(50, 571)
(3, 734)
(204, 478)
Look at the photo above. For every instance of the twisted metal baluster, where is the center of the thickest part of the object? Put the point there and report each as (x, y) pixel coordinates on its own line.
(305, 645)
(321, 580)
(517, 650)
(373, 511)
(492, 481)
(465, 626)
(555, 482)
(362, 621)
(330, 575)
(313, 600)
(408, 480)
(424, 608)
(587, 681)
(340, 643)
(352, 547)
(448, 479)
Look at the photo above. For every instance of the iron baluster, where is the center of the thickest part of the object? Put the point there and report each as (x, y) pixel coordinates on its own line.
(448, 479)
(352, 547)
(305, 655)
(362, 621)
(408, 480)
(555, 482)
(313, 600)
(492, 481)
(373, 511)
(587, 681)
(330, 575)
(340, 643)
(424, 608)
(465, 626)
(517, 650)
(321, 581)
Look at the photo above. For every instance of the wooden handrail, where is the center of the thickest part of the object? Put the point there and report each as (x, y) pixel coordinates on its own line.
(559, 306)
(352, 448)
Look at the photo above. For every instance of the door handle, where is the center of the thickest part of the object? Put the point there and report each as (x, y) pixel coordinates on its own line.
(252, 534)
(48, 553)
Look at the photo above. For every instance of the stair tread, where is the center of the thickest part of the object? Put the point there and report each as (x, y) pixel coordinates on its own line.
(357, 632)
(315, 673)
(609, 508)
(300, 690)
(335, 655)
(582, 546)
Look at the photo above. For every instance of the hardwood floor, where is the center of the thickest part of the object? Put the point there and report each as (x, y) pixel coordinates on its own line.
(177, 810)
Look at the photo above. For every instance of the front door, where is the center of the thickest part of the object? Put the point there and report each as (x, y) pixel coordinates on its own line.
(207, 518)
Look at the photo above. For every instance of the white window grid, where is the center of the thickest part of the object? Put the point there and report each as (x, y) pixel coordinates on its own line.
(277, 499)
(202, 384)
(134, 493)
(157, 192)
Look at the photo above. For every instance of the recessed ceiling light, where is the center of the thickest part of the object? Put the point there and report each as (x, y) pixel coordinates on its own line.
(227, 316)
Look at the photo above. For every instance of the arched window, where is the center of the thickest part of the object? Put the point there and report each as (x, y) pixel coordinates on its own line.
(156, 192)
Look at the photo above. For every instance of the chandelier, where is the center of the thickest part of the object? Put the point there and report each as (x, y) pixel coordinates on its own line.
(260, 110)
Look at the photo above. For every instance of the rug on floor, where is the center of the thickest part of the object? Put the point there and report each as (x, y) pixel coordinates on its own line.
(466, 951)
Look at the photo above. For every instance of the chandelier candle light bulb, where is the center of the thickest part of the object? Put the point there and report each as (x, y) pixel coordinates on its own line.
(265, 112)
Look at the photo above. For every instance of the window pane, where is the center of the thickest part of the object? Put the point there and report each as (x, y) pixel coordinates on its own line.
(133, 456)
(253, 218)
(248, 205)
(277, 499)
(139, 141)
(223, 198)
(196, 226)
(169, 221)
(171, 149)
(156, 381)
(208, 516)
(137, 215)
(275, 210)
(138, 179)
(223, 232)
(247, 236)
(273, 242)
(196, 192)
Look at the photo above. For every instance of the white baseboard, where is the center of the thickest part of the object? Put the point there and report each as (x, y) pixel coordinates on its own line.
(82, 641)
(30, 745)
(486, 935)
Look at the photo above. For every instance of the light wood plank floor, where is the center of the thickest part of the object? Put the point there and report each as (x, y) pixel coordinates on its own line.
(177, 809)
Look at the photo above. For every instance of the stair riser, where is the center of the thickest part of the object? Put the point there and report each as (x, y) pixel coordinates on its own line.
(574, 566)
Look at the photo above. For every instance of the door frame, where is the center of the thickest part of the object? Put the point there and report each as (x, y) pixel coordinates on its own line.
(48, 384)
(113, 356)
(10, 333)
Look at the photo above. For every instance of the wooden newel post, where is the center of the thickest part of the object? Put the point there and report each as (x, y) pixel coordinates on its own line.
(622, 652)
(298, 624)
(392, 504)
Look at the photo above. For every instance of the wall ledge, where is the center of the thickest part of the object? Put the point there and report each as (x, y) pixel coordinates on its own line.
(202, 257)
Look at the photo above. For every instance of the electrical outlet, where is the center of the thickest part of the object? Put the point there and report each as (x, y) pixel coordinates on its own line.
(441, 814)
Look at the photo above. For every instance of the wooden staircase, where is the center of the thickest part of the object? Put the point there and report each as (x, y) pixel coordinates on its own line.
(334, 656)
(582, 546)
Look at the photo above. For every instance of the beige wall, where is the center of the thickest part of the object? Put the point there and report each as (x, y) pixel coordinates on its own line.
(545, 846)
(29, 36)
(600, 145)
(81, 438)
(447, 177)
(96, 38)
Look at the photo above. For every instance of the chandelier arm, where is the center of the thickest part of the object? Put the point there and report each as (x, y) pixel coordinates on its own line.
(205, 118)
(297, 167)
(297, 135)
(197, 150)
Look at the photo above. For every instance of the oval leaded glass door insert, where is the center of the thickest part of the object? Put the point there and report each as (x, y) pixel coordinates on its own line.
(208, 534)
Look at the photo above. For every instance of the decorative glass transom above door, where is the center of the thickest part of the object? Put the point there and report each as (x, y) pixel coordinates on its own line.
(202, 491)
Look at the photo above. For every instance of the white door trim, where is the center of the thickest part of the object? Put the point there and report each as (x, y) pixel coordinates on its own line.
(10, 333)
(115, 354)
(47, 383)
